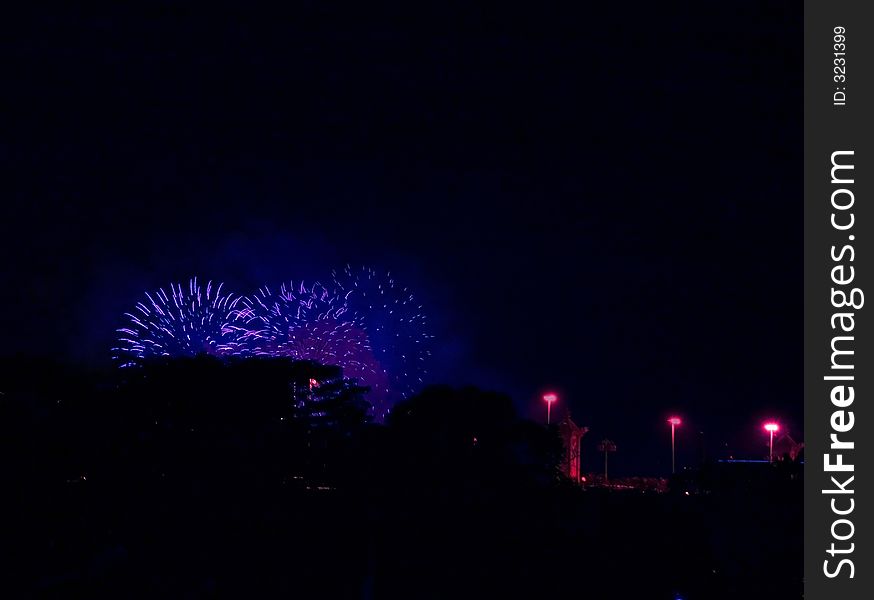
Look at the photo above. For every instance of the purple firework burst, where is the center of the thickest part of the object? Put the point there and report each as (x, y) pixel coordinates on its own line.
(310, 323)
(187, 321)
(395, 323)
(366, 324)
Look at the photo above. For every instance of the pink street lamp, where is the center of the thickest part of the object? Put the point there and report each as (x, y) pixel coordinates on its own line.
(771, 428)
(549, 399)
(674, 421)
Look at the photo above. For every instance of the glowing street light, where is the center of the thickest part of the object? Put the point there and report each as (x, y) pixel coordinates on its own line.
(771, 428)
(549, 399)
(674, 421)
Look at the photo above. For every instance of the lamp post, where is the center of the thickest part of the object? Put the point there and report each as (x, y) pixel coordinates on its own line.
(771, 428)
(549, 399)
(674, 421)
(606, 446)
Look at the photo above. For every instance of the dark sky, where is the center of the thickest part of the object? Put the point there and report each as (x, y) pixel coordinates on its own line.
(606, 202)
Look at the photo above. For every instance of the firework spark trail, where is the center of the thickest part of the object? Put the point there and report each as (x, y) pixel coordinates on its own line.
(181, 323)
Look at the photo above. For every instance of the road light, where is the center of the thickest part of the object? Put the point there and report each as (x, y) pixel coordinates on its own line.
(549, 399)
(606, 446)
(674, 421)
(771, 428)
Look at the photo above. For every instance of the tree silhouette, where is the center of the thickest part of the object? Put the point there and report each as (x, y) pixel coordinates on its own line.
(265, 478)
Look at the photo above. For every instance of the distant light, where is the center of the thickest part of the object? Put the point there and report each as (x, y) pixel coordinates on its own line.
(675, 421)
(772, 427)
(549, 398)
(583, 478)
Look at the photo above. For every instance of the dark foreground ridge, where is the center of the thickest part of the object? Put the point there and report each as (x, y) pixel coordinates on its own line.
(264, 478)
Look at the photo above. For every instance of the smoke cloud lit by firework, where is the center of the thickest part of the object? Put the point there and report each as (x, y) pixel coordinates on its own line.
(364, 323)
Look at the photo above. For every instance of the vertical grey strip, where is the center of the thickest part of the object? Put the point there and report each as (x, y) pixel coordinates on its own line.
(839, 336)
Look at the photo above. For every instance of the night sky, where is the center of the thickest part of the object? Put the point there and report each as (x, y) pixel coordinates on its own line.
(605, 202)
